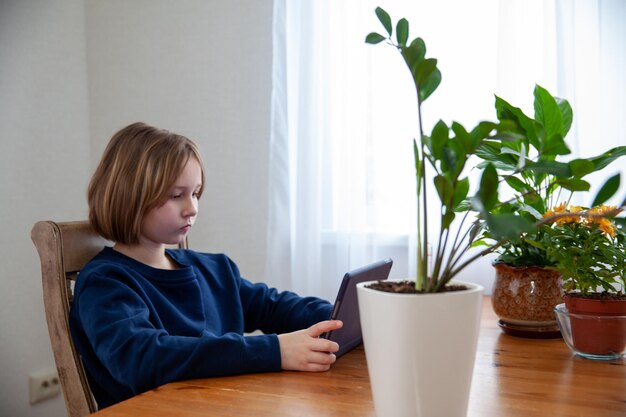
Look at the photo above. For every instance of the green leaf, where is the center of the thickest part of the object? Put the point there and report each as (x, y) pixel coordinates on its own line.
(566, 114)
(464, 138)
(500, 166)
(581, 167)
(438, 139)
(574, 184)
(463, 206)
(511, 151)
(520, 156)
(476, 228)
(402, 31)
(601, 161)
(521, 159)
(426, 77)
(508, 226)
(482, 131)
(449, 158)
(497, 154)
(489, 151)
(508, 131)
(460, 193)
(517, 184)
(419, 46)
(374, 38)
(479, 243)
(430, 85)
(534, 243)
(384, 18)
(548, 113)
(488, 191)
(413, 55)
(423, 70)
(444, 189)
(525, 126)
(535, 200)
(447, 219)
(558, 169)
(525, 208)
(555, 145)
(607, 190)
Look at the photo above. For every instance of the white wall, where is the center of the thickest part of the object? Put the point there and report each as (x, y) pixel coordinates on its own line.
(199, 68)
(72, 72)
(44, 164)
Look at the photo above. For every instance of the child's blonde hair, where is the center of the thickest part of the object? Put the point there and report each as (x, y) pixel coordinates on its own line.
(137, 170)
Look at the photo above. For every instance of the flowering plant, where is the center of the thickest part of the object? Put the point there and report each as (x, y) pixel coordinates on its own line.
(528, 165)
(586, 246)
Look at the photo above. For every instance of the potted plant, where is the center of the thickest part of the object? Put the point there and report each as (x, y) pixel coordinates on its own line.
(420, 336)
(527, 287)
(428, 370)
(589, 250)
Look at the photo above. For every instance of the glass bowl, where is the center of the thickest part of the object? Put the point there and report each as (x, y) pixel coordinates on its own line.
(592, 336)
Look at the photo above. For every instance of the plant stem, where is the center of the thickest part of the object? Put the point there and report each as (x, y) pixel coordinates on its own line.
(441, 249)
(422, 260)
(452, 259)
(473, 258)
(583, 214)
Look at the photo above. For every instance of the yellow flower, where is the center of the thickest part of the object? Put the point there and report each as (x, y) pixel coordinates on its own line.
(606, 226)
(571, 219)
(561, 209)
(556, 210)
(598, 215)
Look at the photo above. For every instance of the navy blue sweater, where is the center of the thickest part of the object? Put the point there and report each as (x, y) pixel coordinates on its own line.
(138, 327)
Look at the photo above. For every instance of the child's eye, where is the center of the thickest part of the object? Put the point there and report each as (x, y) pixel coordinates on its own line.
(176, 196)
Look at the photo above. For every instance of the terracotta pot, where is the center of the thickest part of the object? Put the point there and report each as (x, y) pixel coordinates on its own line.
(599, 337)
(524, 299)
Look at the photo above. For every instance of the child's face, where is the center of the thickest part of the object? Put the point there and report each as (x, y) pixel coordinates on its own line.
(170, 223)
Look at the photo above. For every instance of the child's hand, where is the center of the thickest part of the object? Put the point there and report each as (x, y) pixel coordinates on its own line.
(305, 351)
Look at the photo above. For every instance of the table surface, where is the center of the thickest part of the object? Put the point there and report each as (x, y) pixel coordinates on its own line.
(512, 377)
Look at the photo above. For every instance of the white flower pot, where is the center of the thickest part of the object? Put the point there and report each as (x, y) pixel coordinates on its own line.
(420, 350)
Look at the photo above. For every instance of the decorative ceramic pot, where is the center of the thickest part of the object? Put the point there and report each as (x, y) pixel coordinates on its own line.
(598, 326)
(524, 299)
(420, 349)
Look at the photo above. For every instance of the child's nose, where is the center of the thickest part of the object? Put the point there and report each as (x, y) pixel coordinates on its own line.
(191, 208)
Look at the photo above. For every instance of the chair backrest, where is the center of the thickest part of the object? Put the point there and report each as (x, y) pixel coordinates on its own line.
(64, 248)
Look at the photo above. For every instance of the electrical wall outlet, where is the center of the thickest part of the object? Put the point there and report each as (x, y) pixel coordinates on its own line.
(43, 385)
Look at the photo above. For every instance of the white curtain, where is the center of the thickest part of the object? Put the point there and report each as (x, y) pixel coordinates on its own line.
(341, 191)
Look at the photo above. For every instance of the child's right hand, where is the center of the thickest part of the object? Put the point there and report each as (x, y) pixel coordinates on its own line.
(305, 351)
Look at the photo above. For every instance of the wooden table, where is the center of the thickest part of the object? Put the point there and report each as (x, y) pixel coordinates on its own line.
(512, 377)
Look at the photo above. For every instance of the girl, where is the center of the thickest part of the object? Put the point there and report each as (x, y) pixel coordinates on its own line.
(144, 315)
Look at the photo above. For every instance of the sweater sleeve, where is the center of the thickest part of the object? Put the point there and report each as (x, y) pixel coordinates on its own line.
(272, 311)
(265, 308)
(116, 322)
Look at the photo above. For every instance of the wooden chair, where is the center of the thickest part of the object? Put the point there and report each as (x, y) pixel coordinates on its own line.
(64, 248)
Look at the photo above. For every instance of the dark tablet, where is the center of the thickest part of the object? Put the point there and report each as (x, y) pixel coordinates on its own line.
(346, 306)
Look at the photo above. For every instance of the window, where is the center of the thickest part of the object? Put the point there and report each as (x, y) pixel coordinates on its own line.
(344, 114)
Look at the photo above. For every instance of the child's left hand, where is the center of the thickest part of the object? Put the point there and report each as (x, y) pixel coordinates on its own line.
(305, 351)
